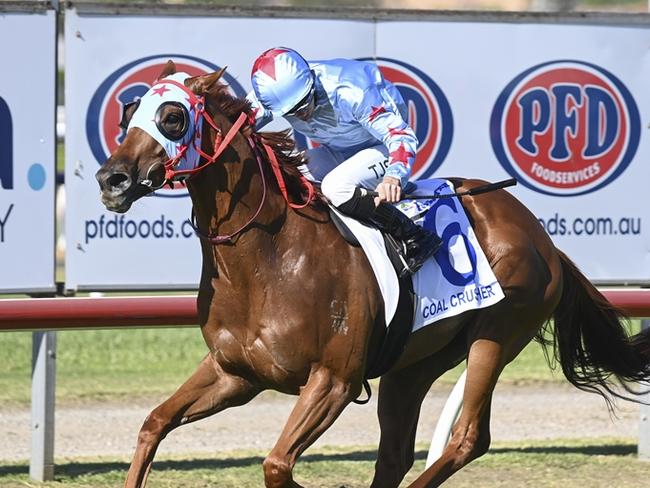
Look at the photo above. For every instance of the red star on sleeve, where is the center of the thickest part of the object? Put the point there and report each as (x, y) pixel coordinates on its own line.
(160, 90)
(393, 131)
(266, 62)
(376, 111)
(401, 155)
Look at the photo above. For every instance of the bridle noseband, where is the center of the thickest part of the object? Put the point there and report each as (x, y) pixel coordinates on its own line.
(221, 142)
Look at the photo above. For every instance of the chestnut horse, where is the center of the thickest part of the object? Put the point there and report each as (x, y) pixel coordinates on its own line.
(285, 303)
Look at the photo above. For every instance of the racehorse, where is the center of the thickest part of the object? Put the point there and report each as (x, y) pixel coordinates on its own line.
(285, 303)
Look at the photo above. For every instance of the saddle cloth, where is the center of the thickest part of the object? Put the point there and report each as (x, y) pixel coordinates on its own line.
(456, 279)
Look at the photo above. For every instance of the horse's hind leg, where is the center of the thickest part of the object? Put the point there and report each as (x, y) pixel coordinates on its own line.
(495, 341)
(401, 394)
(470, 437)
(207, 391)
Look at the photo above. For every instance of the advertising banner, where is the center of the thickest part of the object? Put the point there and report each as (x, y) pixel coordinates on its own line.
(562, 108)
(27, 151)
(110, 61)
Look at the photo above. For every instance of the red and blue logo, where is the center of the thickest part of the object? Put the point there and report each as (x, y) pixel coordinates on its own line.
(565, 128)
(429, 114)
(125, 85)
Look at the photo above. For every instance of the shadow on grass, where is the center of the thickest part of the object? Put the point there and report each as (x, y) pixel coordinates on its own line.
(72, 469)
(590, 450)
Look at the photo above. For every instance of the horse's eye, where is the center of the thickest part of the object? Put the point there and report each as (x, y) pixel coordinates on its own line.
(172, 120)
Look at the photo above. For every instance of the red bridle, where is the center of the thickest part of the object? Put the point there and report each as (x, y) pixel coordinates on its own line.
(220, 144)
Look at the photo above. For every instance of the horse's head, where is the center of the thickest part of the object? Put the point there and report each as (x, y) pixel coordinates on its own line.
(163, 134)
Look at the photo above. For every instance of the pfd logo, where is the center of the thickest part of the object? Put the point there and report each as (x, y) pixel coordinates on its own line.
(565, 128)
(429, 114)
(127, 84)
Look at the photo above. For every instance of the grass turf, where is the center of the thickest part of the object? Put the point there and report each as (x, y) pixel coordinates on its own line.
(112, 364)
(567, 464)
(105, 364)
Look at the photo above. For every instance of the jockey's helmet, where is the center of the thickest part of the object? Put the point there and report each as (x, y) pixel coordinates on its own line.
(281, 79)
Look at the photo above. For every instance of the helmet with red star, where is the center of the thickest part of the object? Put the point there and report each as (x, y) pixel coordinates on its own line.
(281, 79)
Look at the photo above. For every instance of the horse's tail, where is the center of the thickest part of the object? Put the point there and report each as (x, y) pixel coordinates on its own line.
(591, 343)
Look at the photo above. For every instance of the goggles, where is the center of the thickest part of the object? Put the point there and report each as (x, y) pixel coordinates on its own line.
(303, 106)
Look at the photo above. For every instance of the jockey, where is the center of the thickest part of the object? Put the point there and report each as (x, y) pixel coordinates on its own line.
(359, 121)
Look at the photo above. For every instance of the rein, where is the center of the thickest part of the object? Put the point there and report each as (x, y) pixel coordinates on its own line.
(220, 144)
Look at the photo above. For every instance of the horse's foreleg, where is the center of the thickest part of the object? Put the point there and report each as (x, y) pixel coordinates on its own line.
(470, 437)
(320, 402)
(207, 391)
(400, 397)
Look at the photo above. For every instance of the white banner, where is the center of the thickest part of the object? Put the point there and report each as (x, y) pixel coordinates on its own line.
(111, 60)
(563, 108)
(27, 151)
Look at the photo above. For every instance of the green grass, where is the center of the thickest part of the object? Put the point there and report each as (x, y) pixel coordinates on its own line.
(610, 3)
(112, 364)
(104, 364)
(555, 463)
(567, 464)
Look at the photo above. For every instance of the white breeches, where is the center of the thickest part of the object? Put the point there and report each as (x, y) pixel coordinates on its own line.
(340, 175)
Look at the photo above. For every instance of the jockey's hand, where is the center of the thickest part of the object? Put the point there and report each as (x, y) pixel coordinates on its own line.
(389, 191)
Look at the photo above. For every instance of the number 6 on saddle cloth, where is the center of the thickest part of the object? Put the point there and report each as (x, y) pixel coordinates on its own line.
(456, 279)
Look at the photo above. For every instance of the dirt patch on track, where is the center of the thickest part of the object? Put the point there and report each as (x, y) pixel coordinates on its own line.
(519, 413)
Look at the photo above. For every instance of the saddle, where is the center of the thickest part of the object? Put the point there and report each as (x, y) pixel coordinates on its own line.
(398, 330)
(458, 280)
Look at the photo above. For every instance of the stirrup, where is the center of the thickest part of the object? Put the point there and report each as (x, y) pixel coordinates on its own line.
(397, 253)
(406, 269)
(411, 264)
(402, 253)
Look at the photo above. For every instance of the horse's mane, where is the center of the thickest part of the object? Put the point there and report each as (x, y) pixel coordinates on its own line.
(284, 147)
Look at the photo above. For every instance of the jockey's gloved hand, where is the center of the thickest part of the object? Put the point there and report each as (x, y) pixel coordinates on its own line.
(389, 190)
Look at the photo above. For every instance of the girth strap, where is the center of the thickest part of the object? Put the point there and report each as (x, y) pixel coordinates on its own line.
(366, 386)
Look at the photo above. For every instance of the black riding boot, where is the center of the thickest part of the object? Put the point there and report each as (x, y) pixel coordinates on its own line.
(420, 243)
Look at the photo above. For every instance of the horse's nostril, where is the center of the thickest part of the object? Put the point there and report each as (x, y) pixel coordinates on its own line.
(116, 179)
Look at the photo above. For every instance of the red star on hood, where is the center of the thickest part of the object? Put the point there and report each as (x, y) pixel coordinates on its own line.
(160, 90)
(376, 111)
(266, 62)
(401, 155)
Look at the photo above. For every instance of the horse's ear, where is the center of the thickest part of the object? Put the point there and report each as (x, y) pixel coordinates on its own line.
(203, 84)
(168, 70)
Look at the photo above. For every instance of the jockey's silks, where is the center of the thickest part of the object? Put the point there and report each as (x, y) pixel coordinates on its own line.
(356, 108)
